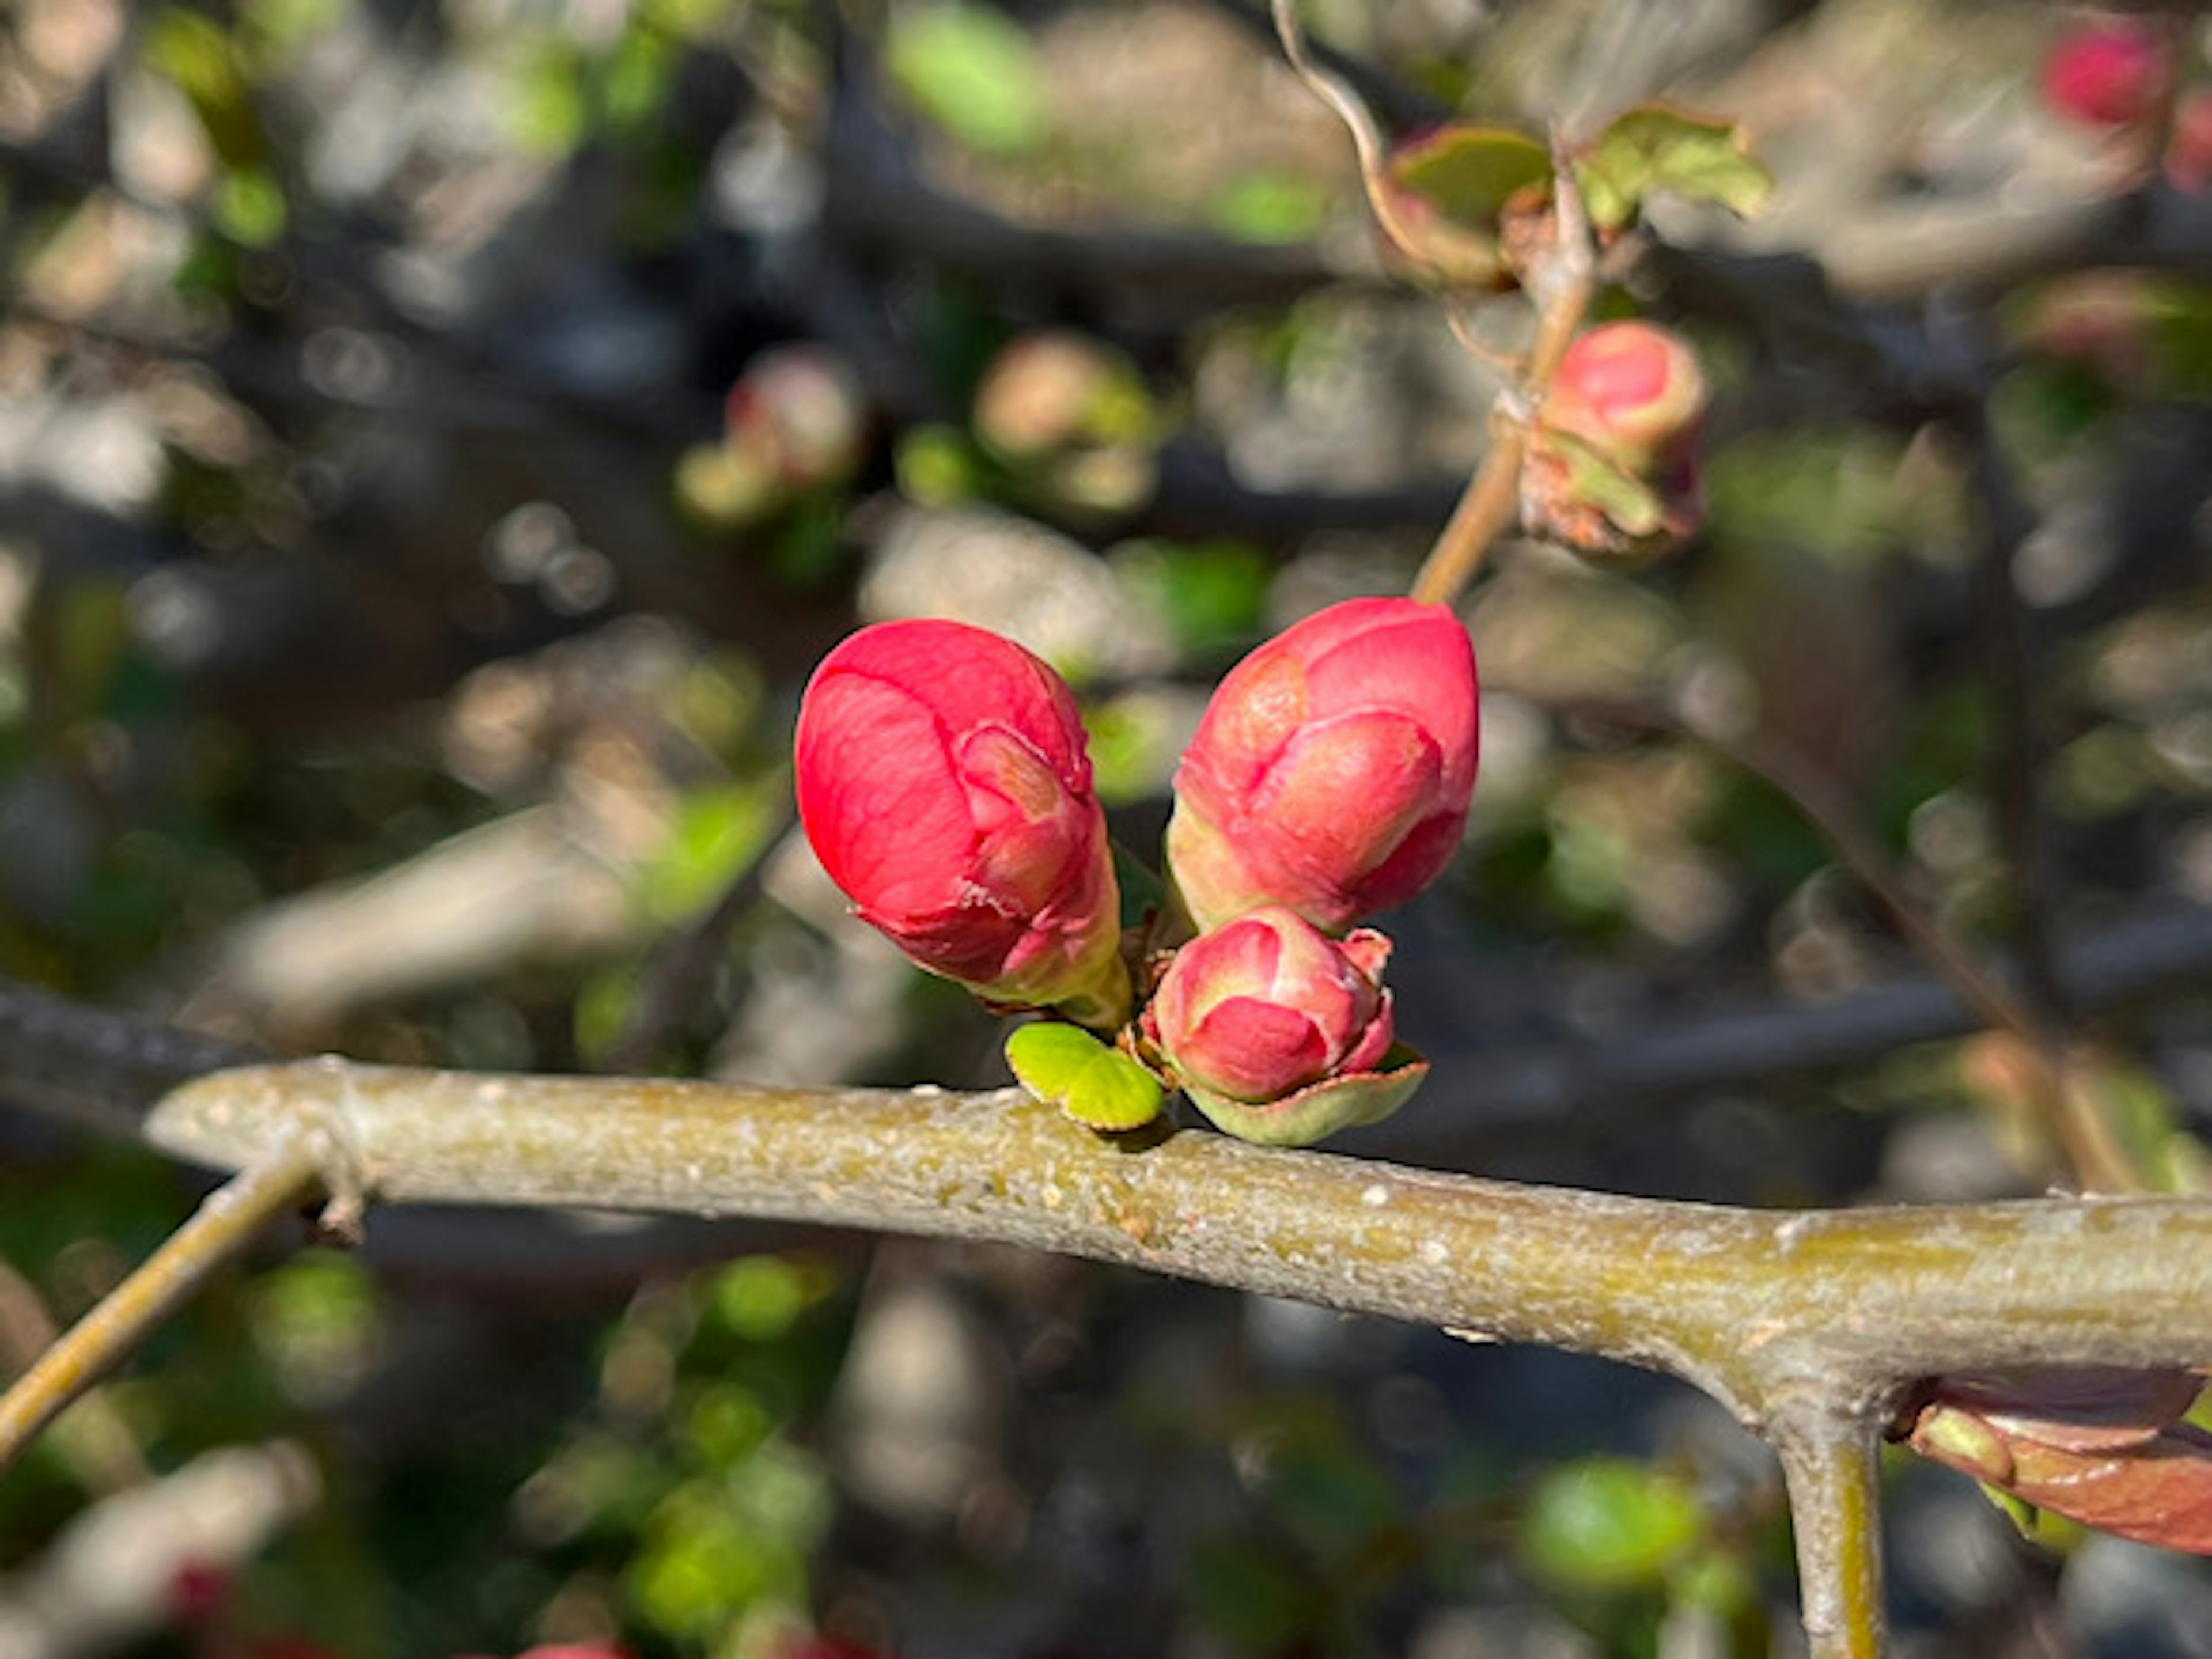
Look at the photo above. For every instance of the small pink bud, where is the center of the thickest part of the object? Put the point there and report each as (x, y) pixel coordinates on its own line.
(1611, 464)
(1631, 391)
(943, 781)
(1268, 1004)
(2110, 73)
(1332, 770)
(2189, 148)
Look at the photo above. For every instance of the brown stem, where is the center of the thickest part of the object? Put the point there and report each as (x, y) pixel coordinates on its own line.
(1562, 285)
(280, 1174)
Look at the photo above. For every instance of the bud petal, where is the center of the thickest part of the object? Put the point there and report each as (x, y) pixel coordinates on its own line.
(1631, 391)
(1256, 1020)
(1332, 771)
(944, 781)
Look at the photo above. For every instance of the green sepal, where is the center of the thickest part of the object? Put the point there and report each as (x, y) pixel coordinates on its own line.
(1655, 148)
(1322, 1108)
(1094, 1083)
(1629, 504)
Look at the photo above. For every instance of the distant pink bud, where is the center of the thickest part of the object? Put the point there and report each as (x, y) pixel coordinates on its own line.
(2189, 148)
(1267, 1005)
(1631, 391)
(2110, 73)
(944, 781)
(797, 413)
(1332, 770)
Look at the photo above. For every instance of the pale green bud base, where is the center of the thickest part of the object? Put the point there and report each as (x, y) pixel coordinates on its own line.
(1319, 1109)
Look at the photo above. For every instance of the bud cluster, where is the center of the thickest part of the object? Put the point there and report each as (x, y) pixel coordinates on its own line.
(944, 783)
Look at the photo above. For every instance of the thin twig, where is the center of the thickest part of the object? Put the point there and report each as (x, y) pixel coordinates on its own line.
(684, 959)
(1562, 286)
(2099, 1162)
(281, 1175)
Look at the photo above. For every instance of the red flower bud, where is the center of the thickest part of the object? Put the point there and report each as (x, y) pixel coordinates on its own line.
(944, 782)
(1267, 1005)
(1332, 770)
(2106, 74)
(1631, 391)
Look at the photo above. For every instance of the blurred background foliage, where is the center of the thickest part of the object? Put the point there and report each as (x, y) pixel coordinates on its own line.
(436, 438)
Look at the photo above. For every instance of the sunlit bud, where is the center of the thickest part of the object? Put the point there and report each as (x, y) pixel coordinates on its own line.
(1332, 770)
(1278, 1032)
(944, 781)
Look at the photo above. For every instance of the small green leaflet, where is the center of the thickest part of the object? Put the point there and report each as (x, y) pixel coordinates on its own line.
(1653, 148)
(1100, 1087)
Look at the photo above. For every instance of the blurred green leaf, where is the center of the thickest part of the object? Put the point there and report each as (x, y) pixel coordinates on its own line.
(971, 70)
(1270, 207)
(1213, 593)
(195, 55)
(249, 207)
(716, 832)
(1467, 174)
(759, 1296)
(1249, 1594)
(1609, 1523)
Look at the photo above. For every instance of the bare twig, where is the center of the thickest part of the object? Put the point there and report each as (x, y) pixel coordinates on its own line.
(282, 1173)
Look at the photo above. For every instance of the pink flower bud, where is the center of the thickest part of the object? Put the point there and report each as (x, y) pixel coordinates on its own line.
(944, 782)
(2110, 73)
(1267, 1005)
(1632, 391)
(1332, 770)
(799, 414)
(2188, 161)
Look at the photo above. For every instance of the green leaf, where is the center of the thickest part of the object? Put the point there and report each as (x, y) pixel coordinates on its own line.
(1653, 147)
(1609, 1523)
(1469, 173)
(1097, 1085)
(972, 72)
(1439, 196)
